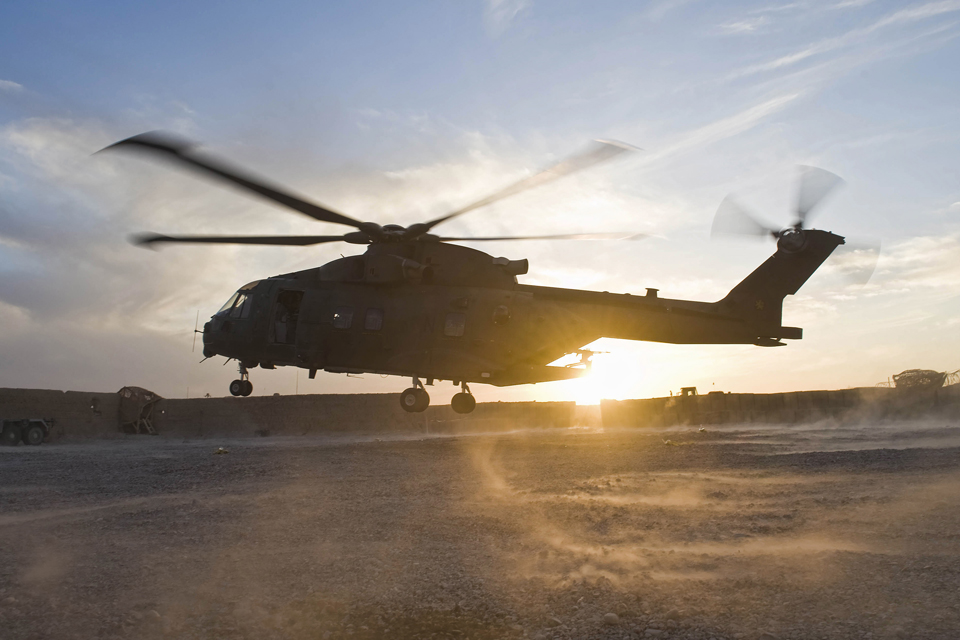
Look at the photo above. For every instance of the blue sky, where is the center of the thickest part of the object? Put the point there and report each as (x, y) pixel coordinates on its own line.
(399, 111)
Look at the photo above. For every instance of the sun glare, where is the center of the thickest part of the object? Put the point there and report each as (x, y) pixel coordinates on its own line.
(611, 375)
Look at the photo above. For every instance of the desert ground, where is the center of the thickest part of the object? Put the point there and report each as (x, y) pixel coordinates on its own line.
(822, 531)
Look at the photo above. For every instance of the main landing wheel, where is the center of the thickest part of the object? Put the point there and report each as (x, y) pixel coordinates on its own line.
(414, 400)
(241, 388)
(463, 402)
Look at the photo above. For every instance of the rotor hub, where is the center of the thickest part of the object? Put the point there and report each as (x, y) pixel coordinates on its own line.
(791, 239)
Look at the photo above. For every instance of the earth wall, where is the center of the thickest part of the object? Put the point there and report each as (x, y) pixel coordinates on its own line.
(867, 403)
(96, 415)
(79, 414)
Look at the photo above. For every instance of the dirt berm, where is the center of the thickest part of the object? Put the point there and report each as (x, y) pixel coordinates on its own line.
(79, 414)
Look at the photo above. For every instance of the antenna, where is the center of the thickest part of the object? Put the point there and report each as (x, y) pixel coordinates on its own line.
(196, 323)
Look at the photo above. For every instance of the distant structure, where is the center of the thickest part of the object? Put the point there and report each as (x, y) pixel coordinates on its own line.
(136, 410)
(922, 379)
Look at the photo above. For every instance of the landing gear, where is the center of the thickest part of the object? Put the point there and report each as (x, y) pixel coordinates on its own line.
(415, 399)
(243, 386)
(463, 402)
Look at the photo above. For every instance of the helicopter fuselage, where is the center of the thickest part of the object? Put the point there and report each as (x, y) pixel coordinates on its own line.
(433, 310)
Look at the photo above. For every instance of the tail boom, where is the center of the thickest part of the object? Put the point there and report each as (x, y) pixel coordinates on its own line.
(758, 299)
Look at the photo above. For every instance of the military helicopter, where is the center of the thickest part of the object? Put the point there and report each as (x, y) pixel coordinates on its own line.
(417, 306)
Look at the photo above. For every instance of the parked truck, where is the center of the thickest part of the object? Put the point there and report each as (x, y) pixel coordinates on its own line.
(27, 430)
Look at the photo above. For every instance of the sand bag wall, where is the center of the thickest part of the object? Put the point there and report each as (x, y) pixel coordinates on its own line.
(782, 408)
(96, 415)
(345, 413)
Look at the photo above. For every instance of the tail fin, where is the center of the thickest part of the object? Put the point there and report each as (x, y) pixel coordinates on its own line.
(758, 299)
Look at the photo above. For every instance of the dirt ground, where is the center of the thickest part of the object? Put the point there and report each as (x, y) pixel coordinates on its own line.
(740, 532)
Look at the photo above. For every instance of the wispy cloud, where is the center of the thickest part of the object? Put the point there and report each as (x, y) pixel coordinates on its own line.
(725, 127)
(747, 25)
(925, 262)
(10, 87)
(659, 10)
(779, 8)
(499, 14)
(901, 17)
(851, 4)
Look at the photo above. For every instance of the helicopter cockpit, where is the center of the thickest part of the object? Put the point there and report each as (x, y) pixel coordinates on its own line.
(240, 303)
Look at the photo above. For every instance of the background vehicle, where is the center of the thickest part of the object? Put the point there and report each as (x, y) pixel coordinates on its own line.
(27, 430)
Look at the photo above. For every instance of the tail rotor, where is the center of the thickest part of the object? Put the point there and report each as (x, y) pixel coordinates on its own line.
(856, 263)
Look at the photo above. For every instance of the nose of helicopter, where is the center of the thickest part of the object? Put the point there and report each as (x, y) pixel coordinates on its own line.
(208, 340)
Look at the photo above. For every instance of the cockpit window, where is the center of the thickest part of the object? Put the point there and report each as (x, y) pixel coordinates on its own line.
(250, 286)
(241, 308)
(238, 305)
(229, 304)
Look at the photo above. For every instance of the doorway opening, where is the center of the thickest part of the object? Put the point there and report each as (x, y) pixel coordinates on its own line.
(286, 316)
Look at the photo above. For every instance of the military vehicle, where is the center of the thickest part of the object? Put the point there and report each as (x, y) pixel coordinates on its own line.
(417, 306)
(31, 431)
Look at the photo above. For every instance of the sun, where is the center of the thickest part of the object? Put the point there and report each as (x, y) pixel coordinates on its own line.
(613, 374)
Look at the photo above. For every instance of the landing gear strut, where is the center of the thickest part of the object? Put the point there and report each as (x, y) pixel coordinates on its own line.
(463, 402)
(415, 399)
(243, 386)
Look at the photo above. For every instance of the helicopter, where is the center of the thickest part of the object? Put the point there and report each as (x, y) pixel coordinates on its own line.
(418, 306)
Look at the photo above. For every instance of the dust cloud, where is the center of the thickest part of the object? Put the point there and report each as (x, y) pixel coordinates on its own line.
(816, 531)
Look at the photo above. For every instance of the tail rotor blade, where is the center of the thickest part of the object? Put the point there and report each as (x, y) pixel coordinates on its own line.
(856, 262)
(815, 185)
(733, 219)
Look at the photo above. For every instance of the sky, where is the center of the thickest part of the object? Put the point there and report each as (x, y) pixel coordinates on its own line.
(400, 112)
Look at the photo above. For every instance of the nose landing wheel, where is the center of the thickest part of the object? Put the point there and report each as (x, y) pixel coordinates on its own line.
(243, 386)
(463, 402)
(415, 399)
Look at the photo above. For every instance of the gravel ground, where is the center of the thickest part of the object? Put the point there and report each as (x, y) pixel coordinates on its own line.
(741, 532)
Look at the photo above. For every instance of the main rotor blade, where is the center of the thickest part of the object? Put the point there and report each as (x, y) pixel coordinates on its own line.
(183, 151)
(815, 185)
(732, 219)
(569, 236)
(149, 239)
(600, 151)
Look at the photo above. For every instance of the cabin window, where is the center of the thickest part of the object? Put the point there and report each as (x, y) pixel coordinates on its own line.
(373, 320)
(342, 317)
(453, 327)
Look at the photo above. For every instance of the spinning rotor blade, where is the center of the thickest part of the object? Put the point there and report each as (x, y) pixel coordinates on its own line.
(856, 262)
(732, 219)
(179, 150)
(602, 150)
(815, 185)
(149, 239)
(570, 236)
